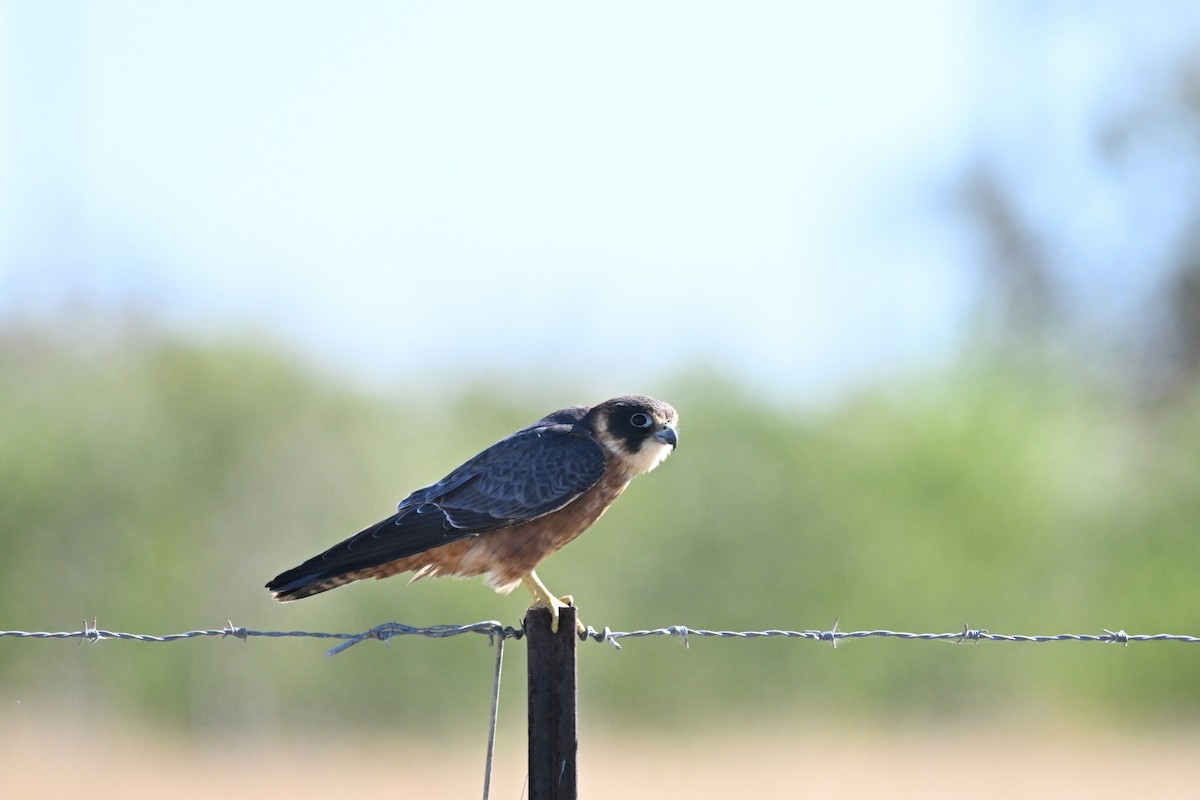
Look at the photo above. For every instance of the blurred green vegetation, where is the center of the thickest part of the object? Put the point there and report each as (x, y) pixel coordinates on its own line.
(157, 484)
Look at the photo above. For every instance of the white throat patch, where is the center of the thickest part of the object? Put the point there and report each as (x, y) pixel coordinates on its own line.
(650, 456)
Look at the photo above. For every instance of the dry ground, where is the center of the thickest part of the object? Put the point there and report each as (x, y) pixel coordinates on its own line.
(69, 761)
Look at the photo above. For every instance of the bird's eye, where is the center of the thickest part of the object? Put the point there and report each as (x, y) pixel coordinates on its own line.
(640, 420)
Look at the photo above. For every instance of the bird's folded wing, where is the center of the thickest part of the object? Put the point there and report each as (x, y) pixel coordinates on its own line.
(533, 472)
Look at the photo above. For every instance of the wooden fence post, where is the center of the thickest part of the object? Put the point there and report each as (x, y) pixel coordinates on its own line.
(553, 683)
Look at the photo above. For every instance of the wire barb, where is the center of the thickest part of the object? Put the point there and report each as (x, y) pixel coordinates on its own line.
(599, 636)
(90, 632)
(1118, 637)
(231, 630)
(682, 632)
(970, 634)
(831, 635)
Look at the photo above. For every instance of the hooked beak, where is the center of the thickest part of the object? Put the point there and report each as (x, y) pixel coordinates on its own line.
(666, 434)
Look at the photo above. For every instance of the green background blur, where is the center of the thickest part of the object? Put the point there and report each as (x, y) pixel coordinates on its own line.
(157, 484)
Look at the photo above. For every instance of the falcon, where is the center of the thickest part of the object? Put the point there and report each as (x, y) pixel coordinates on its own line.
(504, 511)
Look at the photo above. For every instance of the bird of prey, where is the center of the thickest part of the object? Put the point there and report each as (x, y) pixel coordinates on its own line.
(508, 508)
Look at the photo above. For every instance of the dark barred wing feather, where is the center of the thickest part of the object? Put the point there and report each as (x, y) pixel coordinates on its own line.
(535, 471)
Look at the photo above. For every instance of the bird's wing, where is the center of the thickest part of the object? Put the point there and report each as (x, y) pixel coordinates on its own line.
(535, 471)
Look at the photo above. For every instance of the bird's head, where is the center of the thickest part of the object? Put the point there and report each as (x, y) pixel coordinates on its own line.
(640, 432)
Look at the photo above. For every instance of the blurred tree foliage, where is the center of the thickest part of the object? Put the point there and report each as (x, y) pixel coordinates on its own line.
(158, 484)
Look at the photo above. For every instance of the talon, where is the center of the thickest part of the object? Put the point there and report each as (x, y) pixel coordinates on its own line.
(554, 606)
(543, 598)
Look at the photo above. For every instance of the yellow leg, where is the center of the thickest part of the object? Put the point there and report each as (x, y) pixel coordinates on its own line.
(543, 597)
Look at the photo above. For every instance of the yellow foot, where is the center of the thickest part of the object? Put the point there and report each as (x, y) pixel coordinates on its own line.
(543, 598)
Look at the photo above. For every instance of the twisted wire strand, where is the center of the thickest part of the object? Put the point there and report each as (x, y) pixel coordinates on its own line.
(834, 636)
(493, 630)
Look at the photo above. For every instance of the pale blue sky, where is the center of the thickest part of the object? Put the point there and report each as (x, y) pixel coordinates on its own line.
(609, 193)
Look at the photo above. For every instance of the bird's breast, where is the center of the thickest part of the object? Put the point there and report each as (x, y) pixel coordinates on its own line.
(513, 553)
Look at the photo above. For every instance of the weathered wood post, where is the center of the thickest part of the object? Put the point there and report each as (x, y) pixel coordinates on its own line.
(553, 684)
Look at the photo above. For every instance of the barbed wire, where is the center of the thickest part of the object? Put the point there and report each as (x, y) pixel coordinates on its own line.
(497, 633)
(496, 630)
